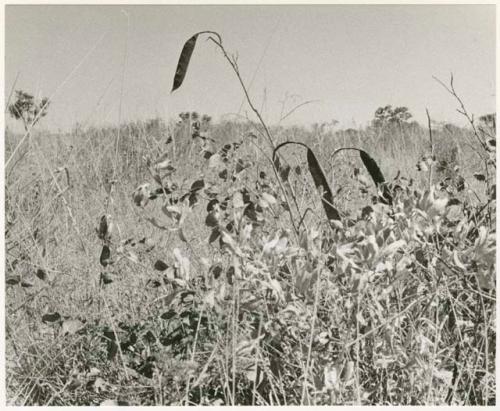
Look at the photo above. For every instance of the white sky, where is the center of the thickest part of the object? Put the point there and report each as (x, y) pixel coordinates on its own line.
(352, 59)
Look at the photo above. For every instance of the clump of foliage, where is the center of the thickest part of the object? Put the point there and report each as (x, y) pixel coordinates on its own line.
(28, 109)
(387, 115)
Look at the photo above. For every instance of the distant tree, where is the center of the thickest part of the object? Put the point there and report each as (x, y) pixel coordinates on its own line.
(27, 109)
(388, 117)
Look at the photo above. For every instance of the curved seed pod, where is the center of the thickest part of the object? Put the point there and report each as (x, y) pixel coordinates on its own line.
(183, 63)
(185, 58)
(372, 167)
(376, 175)
(322, 185)
(374, 171)
(318, 177)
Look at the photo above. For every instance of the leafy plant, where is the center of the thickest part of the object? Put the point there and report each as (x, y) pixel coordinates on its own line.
(27, 109)
(232, 282)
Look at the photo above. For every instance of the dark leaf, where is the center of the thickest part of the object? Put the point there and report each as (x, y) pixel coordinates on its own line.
(51, 318)
(211, 220)
(13, 280)
(223, 174)
(460, 183)
(250, 212)
(105, 278)
(105, 256)
(168, 314)
(197, 185)
(214, 235)
(26, 284)
(230, 275)
(41, 274)
(493, 192)
(183, 63)
(211, 204)
(366, 211)
(193, 199)
(103, 228)
(147, 369)
(479, 177)
(215, 270)
(160, 265)
(149, 337)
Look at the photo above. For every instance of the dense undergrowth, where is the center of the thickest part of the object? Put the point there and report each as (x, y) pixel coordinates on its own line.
(178, 266)
(209, 296)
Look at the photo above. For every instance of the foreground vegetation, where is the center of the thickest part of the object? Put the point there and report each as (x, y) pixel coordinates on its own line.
(190, 263)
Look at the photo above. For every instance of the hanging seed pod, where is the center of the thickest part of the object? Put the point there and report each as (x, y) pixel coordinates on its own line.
(319, 179)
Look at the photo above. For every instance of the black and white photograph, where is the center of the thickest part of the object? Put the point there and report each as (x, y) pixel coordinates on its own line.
(249, 204)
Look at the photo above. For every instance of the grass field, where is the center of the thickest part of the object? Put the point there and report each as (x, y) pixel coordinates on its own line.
(230, 286)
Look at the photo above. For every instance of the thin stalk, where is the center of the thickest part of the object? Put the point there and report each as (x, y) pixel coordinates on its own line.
(432, 147)
(234, 66)
(311, 337)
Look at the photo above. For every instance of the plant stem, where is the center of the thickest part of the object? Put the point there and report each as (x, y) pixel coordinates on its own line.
(234, 66)
(432, 147)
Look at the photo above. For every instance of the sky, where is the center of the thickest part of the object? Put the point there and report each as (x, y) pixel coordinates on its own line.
(110, 64)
